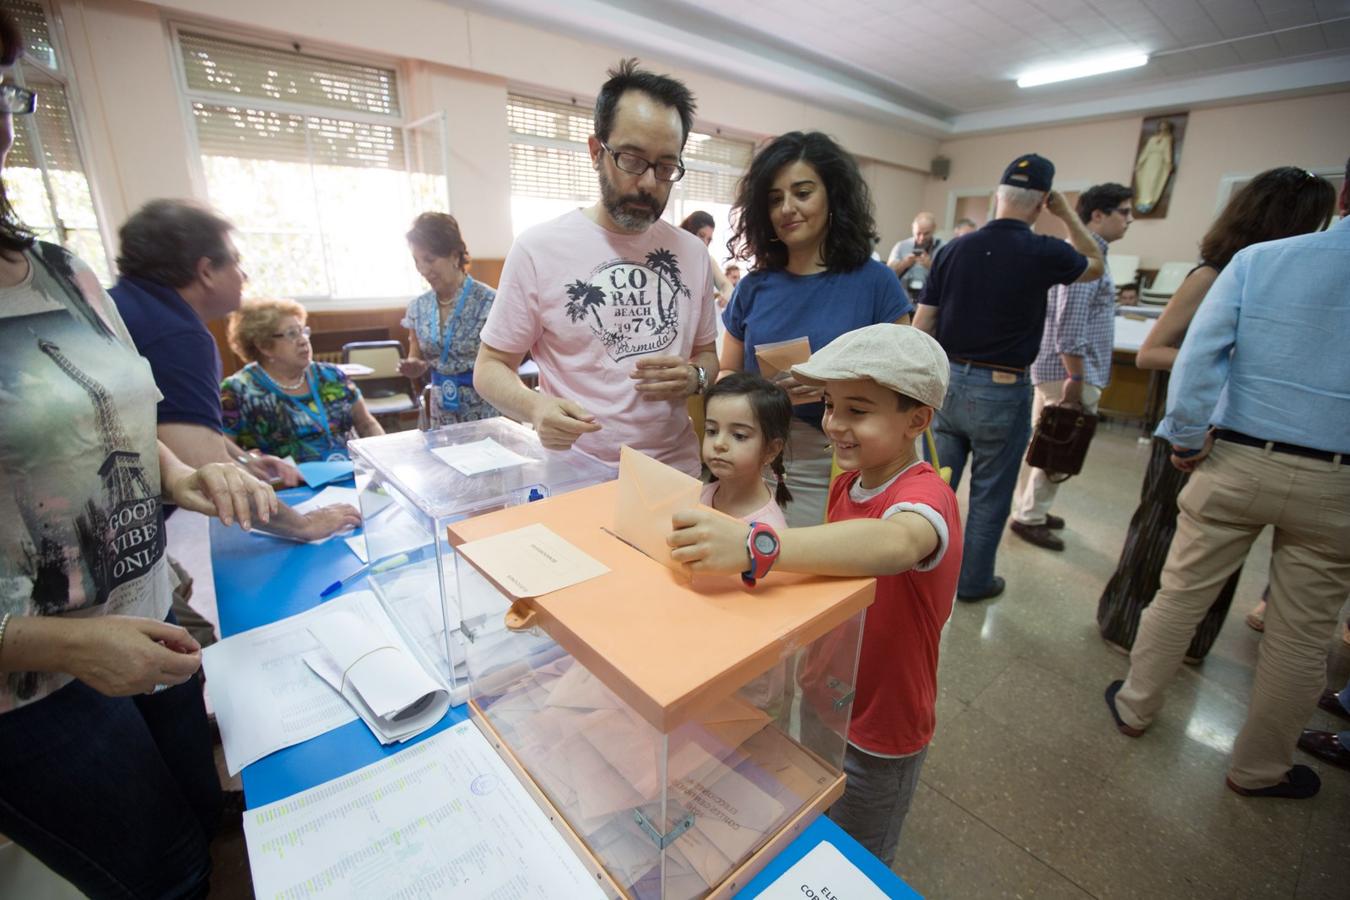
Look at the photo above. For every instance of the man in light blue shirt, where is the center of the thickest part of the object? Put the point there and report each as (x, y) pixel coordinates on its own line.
(1259, 410)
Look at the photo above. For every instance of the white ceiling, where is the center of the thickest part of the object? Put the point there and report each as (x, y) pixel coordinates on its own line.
(948, 66)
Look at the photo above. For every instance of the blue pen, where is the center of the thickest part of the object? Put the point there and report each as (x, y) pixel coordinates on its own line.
(382, 566)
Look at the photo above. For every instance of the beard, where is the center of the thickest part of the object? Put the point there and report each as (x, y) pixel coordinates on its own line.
(631, 212)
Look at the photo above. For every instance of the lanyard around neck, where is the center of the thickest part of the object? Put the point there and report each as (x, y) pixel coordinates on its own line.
(318, 413)
(448, 332)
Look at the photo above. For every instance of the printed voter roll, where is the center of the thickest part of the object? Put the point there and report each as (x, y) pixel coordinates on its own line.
(442, 818)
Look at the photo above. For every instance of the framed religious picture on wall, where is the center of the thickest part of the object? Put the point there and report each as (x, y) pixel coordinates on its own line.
(1155, 165)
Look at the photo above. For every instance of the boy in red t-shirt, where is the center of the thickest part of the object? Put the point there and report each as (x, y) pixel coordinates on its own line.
(890, 516)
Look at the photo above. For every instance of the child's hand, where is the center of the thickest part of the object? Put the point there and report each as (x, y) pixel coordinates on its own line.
(710, 541)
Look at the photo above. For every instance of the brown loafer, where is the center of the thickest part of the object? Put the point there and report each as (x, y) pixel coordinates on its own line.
(1040, 535)
(1326, 746)
(1330, 702)
(1054, 523)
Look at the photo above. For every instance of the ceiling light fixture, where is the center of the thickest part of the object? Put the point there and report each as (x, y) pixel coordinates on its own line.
(1099, 66)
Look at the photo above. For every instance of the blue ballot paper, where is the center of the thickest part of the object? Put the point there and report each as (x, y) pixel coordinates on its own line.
(317, 474)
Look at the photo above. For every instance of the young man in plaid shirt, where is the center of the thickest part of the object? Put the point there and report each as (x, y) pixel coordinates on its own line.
(1074, 364)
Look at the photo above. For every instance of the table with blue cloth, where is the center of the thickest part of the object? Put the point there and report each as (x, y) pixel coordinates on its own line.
(260, 580)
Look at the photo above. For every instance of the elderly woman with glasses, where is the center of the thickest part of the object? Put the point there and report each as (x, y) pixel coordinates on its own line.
(283, 402)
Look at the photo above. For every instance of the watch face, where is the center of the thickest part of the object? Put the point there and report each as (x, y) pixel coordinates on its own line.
(765, 543)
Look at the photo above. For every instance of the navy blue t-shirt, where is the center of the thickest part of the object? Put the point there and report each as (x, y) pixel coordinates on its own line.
(990, 290)
(772, 306)
(183, 355)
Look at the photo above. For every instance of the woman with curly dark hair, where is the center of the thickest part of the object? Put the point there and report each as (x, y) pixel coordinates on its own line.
(1278, 203)
(804, 215)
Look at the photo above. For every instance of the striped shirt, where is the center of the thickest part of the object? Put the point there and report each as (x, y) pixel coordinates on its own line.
(1080, 320)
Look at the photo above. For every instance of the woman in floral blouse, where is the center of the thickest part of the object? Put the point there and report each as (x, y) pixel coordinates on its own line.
(283, 403)
(443, 324)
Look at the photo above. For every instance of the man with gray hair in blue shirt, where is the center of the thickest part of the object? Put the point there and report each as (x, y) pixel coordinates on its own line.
(1259, 411)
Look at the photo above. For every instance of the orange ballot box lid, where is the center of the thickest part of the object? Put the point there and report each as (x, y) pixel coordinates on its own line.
(669, 647)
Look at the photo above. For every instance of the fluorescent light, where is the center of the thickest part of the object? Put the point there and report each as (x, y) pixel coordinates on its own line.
(1098, 66)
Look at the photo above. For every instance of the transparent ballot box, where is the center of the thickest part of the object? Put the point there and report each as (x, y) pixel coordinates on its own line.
(412, 484)
(679, 732)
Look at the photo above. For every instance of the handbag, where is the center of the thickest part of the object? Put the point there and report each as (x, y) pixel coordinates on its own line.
(1060, 442)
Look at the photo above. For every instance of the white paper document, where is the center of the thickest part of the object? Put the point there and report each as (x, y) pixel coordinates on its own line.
(477, 457)
(372, 666)
(444, 818)
(823, 872)
(328, 497)
(265, 696)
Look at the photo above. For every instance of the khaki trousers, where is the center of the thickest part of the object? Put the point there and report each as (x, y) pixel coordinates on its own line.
(1232, 495)
(1035, 491)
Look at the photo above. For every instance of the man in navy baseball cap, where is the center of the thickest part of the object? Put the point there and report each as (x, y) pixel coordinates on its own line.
(985, 302)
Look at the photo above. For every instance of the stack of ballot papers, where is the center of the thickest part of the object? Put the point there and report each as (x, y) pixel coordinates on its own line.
(267, 696)
(374, 669)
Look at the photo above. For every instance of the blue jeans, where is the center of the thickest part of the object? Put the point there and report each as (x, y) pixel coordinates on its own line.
(990, 423)
(1344, 697)
(118, 795)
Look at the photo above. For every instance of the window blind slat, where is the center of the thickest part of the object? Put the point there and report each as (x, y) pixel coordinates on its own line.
(55, 128)
(37, 38)
(221, 66)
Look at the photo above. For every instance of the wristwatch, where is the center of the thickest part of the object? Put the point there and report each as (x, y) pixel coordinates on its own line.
(702, 375)
(762, 546)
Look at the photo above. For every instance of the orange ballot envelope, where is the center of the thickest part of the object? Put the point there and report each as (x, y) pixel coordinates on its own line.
(776, 360)
(650, 492)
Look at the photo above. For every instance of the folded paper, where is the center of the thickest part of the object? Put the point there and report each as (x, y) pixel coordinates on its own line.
(649, 494)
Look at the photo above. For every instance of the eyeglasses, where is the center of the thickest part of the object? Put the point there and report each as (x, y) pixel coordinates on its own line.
(295, 334)
(17, 100)
(1126, 211)
(636, 165)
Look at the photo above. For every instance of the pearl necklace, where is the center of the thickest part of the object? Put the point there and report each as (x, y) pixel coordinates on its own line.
(290, 387)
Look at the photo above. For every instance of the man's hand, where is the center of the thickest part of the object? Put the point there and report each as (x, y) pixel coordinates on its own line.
(560, 422)
(327, 520)
(413, 368)
(227, 491)
(665, 377)
(123, 655)
(273, 470)
(1184, 460)
(1058, 206)
(709, 542)
(1073, 393)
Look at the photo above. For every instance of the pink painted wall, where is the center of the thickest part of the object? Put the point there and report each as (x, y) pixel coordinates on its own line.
(1244, 139)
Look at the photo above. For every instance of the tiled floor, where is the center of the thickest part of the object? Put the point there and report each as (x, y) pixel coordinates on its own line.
(1028, 790)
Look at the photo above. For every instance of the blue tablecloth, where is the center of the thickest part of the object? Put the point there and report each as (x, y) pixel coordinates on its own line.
(261, 579)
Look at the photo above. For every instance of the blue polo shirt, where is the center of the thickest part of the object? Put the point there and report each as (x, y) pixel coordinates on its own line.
(775, 305)
(183, 355)
(990, 290)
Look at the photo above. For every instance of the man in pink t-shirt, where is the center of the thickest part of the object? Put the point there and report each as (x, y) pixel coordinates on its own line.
(615, 305)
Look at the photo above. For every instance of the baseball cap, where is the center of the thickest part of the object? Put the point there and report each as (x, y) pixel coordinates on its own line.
(1030, 171)
(900, 357)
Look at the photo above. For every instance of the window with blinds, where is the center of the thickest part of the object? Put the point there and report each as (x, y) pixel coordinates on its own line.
(44, 172)
(551, 166)
(308, 156)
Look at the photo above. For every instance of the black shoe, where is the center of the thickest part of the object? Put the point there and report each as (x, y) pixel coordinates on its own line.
(995, 588)
(1326, 746)
(1300, 783)
(1128, 730)
(1331, 702)
(1040, 535)
(1054, 523)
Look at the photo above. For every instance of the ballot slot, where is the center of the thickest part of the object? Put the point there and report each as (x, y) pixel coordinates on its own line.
(412, 485)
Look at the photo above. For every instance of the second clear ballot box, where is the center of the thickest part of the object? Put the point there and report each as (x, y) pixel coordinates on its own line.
(412, 484)
(679, 732)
